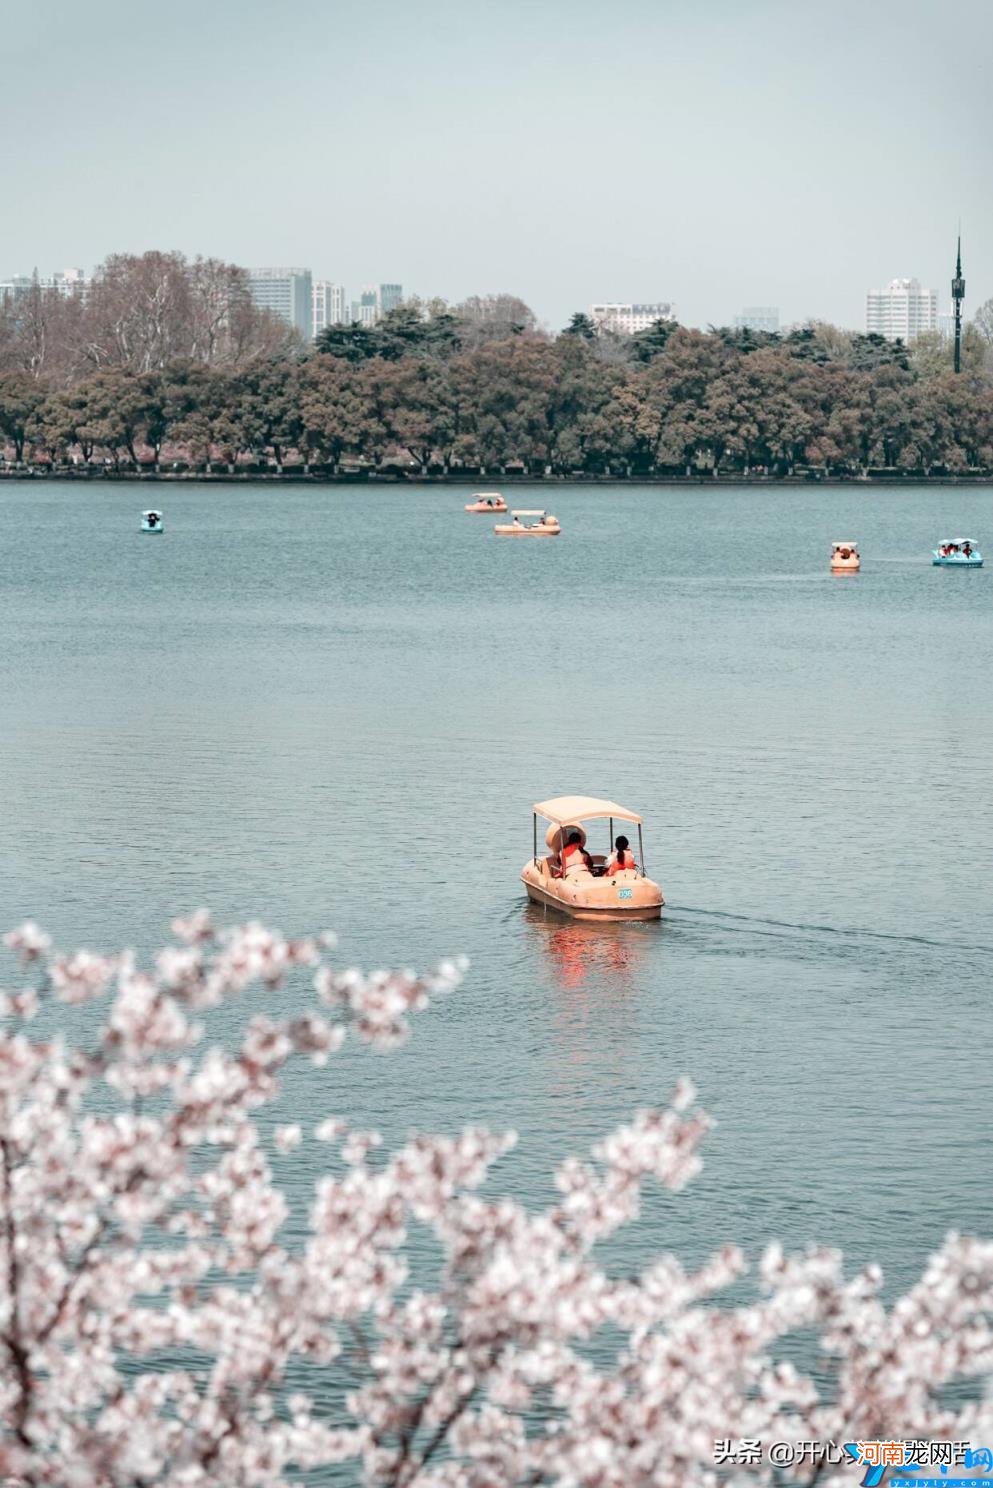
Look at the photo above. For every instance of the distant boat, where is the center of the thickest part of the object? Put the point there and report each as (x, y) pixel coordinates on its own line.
(487, 501)
(546, 526)
(845, 558)
(151, 521)
(959, 552)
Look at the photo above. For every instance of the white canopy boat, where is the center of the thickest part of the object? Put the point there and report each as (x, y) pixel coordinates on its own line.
(585, 885)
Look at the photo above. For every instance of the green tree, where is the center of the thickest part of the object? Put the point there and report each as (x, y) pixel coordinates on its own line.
(352, 342)
(581, 325)
(646, 345)
(20, 398)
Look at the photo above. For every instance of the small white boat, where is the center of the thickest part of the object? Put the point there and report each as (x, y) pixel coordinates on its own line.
(845, 558)
(151, 521)
(957, 552)
(546, 525)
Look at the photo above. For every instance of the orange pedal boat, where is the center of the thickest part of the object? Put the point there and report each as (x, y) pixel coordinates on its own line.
(588, 887)
(487, 501)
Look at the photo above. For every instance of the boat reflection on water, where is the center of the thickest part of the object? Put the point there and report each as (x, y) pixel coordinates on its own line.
(578, 953)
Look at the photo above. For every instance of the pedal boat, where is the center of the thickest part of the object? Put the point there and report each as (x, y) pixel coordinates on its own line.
(487, 501)
(845, 558)
(151, 521)
(546, 526)
(960, 552)
(627, 894)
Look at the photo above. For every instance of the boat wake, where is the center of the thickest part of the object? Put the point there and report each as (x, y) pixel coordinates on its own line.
(758, 925)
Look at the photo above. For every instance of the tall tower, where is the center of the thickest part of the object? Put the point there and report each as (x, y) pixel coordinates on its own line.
(958, 295)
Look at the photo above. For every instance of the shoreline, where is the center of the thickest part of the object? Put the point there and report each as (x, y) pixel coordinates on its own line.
(375, 478)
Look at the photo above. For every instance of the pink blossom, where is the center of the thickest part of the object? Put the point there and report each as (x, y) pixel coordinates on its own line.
(287, 1138)
(28, 941)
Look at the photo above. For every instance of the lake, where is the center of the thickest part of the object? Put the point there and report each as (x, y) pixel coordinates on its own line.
(333, 708)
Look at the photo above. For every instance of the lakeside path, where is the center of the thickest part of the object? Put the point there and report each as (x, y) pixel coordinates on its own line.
(299, 476)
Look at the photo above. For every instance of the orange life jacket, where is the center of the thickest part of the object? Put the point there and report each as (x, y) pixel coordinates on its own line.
(622, 860)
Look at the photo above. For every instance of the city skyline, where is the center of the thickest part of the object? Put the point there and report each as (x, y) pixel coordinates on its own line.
(319, 302)
(760, 155)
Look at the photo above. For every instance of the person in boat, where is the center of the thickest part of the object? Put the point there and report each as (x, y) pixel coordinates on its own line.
(516, 521)
(574, 858)
(967, 549)
(621, 858)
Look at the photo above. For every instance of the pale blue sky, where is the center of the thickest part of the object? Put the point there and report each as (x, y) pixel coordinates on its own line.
(719, 153)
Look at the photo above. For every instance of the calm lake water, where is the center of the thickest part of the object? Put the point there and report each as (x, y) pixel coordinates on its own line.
(334, 708)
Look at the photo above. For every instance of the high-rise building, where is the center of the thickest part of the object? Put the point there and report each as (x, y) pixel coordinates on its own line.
(390, 296)
(758, 318)
(330, 306)
(375, 301)
(627, 319)
(901, 311)
(288, 293)
(366, 308)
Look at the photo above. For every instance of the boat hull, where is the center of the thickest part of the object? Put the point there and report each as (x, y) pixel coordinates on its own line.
(152, 530)
(953, 560)
(481, 506)
(508, 531)
(626, 896)
(852, 566)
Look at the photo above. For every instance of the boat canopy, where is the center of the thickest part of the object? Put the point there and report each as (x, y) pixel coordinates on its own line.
(957, 542)
(527, 512)
(152, 514)
(487, 496)
(581, 808)
(836, 546)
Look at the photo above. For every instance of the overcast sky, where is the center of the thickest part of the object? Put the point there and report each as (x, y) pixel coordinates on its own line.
(718, 153)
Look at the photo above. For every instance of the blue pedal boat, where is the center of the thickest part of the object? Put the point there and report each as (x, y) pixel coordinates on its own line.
(151, 521)
(958, 552)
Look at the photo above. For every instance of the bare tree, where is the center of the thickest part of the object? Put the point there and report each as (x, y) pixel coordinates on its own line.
(493, 317)
(143, 313)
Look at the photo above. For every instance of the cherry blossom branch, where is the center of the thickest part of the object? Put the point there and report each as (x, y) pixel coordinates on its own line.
(157, 1319)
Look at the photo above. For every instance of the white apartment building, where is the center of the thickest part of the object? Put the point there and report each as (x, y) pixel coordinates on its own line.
(901, 311)
(626, 319)
(330, 306)
(288, 293)
(758, 318)
(68, 282)
(945, 323)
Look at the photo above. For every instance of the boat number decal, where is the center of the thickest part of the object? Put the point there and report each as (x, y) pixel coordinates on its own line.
(624, 893)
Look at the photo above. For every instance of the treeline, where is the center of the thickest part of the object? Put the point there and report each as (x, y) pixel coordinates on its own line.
(474, 387)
